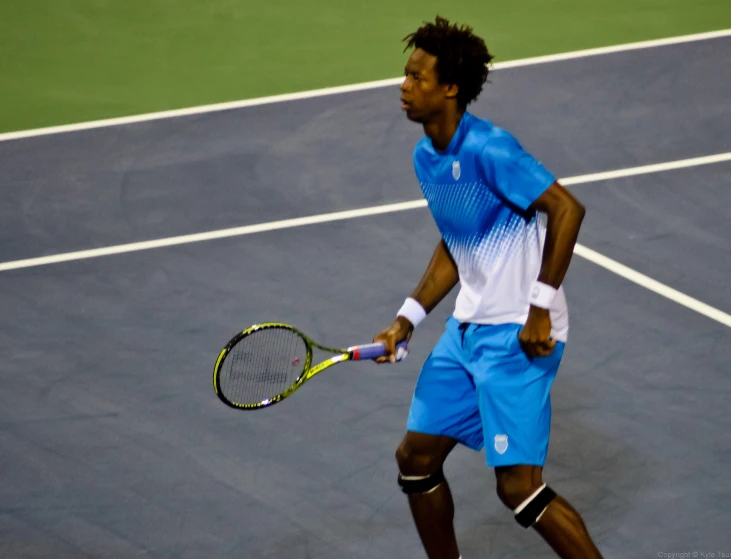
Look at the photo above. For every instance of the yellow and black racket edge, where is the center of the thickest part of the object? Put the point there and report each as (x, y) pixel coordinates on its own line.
(267, 362)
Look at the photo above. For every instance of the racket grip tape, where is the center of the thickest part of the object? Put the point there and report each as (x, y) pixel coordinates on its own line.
(372, 351)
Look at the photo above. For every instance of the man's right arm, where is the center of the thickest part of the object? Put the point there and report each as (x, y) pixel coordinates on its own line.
(440, 277)
(438, 280)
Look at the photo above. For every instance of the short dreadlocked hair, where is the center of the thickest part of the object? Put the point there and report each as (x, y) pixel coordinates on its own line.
(462, 56)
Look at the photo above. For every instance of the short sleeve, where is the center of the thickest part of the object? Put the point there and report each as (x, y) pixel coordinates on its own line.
(513, 173)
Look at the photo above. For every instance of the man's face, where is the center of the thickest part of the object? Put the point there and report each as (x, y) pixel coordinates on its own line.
(422, 96)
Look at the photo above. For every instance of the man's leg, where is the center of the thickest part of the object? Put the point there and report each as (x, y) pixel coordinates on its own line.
(557, 521)
(444, 411)
(420, 459)
(515, 403)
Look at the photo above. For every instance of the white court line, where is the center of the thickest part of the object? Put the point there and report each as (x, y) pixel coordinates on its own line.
(328, 217)
(211, 235)
(645, 169)
(350, 88)
(653, 285)
(580, 250)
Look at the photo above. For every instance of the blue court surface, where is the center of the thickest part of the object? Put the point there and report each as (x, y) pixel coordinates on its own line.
(113, 444)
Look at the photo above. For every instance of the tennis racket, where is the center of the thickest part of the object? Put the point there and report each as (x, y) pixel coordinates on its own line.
(267, 362)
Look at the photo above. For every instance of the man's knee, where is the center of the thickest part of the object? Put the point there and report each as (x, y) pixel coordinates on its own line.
(524, 494)
(420, 470)
(514, 486)
(416, 461)
(420, 454)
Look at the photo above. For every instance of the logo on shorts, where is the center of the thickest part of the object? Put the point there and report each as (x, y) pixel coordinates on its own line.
(501, 443)
(456, 170)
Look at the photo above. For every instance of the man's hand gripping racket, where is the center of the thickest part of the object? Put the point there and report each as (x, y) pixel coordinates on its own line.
(395, 338)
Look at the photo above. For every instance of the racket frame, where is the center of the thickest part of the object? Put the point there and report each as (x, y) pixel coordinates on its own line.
(339, 355)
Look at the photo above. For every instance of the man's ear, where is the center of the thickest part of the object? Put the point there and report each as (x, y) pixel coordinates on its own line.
(452, 90)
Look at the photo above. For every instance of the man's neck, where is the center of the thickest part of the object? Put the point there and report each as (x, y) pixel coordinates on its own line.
(442, 129)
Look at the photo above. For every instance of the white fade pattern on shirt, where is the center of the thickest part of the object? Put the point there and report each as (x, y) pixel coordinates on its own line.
(478, 252)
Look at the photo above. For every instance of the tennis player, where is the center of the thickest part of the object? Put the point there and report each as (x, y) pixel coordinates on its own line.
(508, 231)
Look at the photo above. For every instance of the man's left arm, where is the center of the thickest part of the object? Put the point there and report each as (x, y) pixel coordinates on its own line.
(565, 214)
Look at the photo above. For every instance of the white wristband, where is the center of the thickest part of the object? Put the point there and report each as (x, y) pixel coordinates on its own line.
(542, 295)
(413, 311)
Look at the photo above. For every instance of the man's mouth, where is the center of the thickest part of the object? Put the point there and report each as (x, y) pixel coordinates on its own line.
(405, 104)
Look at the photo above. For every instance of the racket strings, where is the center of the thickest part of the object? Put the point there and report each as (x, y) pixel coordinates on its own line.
(262, 365)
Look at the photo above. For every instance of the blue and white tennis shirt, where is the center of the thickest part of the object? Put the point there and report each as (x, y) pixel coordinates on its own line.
(479, 191)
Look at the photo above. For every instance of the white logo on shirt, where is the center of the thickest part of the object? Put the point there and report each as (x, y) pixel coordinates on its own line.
(501, 443)
(456, 171)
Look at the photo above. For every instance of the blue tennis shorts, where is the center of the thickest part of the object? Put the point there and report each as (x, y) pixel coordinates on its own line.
(478, 386)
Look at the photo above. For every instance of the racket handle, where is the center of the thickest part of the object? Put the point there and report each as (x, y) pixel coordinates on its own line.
(371, 351)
